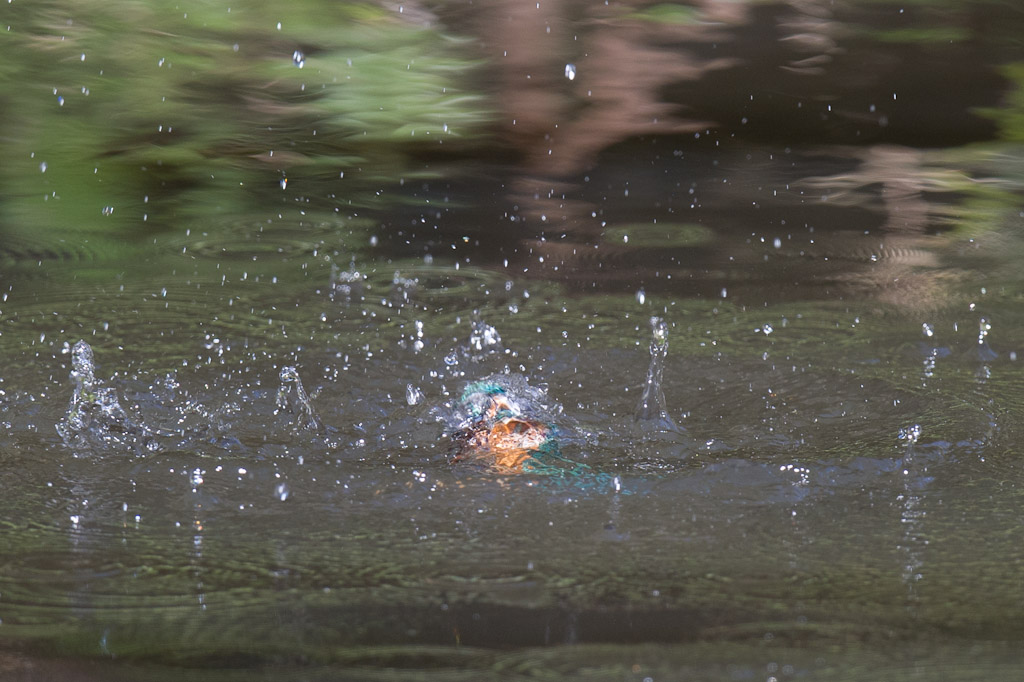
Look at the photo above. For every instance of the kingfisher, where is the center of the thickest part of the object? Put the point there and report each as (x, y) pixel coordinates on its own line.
(500, 433)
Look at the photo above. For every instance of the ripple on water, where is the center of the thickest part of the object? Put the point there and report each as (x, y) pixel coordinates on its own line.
(26, 252)
(256, 238)
(187, 320)
(428, 287)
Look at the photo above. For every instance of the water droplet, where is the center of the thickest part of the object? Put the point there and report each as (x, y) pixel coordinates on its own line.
(570, 71)
(928, 330)
(641, 296)
(281, 491)
(403, 287)
(108, 210)
(413, 395)
(346, 286)
(298, 59)
(984, 327)
(484, 339)
(42, 167)
(910, 434)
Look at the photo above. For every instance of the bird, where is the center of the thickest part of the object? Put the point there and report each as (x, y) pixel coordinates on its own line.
(498, 433)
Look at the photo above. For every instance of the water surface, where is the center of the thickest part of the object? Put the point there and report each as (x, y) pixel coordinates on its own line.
(821, 201)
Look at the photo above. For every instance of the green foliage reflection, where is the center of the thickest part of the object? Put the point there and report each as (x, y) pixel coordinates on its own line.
(130, 114)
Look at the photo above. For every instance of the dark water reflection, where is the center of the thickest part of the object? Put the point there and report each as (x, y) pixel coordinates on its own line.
(821, 200)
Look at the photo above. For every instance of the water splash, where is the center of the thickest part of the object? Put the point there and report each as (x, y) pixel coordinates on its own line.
(282, 491)
(292, 398)
(984, 350)
(484, 339)
(652, 407)
(507, 425)
(95, 418)
(913, 516)
(932, 354)
(503, 421)
(910, 434)
(414, 340)
(346, 285)
(402, 288)
(413, 395)
(519, 397)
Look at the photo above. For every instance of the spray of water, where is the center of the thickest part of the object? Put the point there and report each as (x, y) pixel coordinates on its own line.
(484, 340)
(651, 407)
(292, 398)
(95, 419)
(346, 285)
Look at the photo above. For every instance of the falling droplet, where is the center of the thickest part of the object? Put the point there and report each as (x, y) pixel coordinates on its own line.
(298, 59)
(282, 491)
(403, 287)
(984, 327)
(570, 71)
(910, 434)
(346, 286)
(483, 339)
(641, 296)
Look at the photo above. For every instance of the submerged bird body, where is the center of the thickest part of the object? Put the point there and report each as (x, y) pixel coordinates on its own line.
(499, 431)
